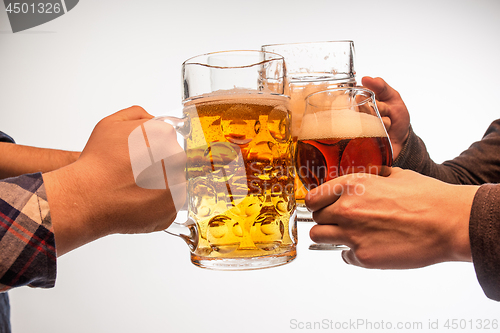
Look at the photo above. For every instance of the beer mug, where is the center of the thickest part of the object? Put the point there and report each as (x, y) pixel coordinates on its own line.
(341, 133)
(239, 169)
(312, 67)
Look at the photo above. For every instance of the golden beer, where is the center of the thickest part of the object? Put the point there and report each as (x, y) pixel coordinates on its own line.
(240, 176)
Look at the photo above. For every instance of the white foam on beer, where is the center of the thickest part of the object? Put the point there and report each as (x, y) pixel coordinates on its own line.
(240, 95)
(340, 124)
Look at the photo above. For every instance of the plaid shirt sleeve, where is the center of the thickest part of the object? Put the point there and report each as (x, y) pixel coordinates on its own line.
(27, 243)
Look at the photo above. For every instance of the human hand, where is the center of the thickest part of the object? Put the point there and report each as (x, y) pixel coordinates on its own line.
(98, 195)
(405, 220)
(392, 110)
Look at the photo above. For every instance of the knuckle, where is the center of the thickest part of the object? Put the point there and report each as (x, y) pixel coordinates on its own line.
(312, 198)
(137, 107)
(366, 258)
(347, 208)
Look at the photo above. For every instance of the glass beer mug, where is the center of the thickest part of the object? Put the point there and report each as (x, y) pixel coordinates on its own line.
(239, 169)
(341, 133)
(312, 67)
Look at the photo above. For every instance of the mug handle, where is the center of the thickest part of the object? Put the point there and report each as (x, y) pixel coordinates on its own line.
(187, 229)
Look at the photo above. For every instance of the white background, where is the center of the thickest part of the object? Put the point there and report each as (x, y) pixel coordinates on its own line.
(59, 79)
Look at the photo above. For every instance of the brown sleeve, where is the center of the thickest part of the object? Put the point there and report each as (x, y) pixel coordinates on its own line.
(479, 164)
(414, 154)
(484, 234)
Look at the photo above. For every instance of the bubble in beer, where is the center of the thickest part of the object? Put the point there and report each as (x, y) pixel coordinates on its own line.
(261, 159)
(282, 207)
(217, 231)
(204, 251)
(261, 151)
(266, 215)
(217, 226)
(254, 186)
(204, 197)
(200, 165)
(238, 186)
(215, 123)
(224, 158)
(278, 124)
(223, 248)
(276, 189)
(204, 211)
(238, 124)
(274, 149)
(257, 127)
(252, 209)
(237, 230)
(267, 229)
(270, 228)
(311, 164)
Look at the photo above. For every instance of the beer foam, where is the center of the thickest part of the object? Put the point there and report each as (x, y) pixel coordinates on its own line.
(340, 124)
(242, 96)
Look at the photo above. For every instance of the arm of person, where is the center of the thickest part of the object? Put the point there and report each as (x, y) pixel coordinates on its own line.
(89, 199)
(408, 220)
(98, 195)
(479, 164)
(18, 159)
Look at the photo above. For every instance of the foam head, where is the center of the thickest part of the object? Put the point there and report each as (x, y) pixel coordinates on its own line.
(340, 124)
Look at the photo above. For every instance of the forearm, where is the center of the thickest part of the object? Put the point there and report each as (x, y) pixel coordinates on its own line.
(18, 159)
(97, 195)
(414, 156)
(70, 199)
(477, 165)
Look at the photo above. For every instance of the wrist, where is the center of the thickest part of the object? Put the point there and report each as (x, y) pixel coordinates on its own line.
(72, 156)
(463, 196)
(70, 209)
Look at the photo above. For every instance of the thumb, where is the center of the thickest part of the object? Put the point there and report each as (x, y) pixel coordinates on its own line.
(382, 90)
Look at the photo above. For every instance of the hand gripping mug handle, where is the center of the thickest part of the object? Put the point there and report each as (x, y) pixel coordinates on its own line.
(188, 229)
(151, 151)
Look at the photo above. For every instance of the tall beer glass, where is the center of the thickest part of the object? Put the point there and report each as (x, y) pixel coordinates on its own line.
(341, 133)
(240, 171)
(313, 67)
